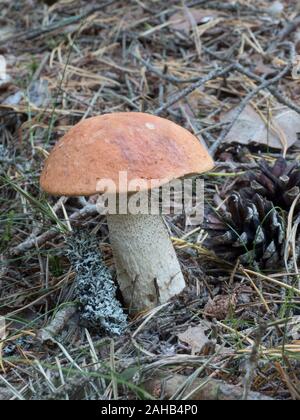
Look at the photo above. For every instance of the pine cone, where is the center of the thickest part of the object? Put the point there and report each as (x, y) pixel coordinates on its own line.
(279, 184)
(250, 229)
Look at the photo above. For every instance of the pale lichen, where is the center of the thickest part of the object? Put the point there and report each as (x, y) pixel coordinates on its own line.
(94, 288)
(4, 155)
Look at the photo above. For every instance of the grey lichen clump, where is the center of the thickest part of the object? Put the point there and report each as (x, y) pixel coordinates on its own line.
(4, 157)
(95, 289)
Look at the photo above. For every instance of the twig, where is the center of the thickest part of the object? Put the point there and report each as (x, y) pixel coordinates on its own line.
(57, 323)
(185, 92)
(37, 32)
(5, 393)
(245, 102)
(34, 241)
(166, 384)
(286, 31)
(169, 78)
(40, 68)
(273, 90)
(238, 7)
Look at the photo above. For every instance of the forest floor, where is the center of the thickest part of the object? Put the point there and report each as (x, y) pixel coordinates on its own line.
(228, 72)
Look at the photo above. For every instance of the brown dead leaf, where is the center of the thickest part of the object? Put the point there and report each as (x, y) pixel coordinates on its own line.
(195, 337)
(180, 21)
(250, 127)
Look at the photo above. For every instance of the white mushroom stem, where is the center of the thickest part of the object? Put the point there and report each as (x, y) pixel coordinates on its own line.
(148, 270)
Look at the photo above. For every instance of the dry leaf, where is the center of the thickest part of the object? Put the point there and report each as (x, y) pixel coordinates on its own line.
(57, 324)
(251, 128)
(195, 337)
(180, 21)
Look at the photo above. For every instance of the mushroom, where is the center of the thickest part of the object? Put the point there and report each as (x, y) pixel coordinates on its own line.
(144, 147)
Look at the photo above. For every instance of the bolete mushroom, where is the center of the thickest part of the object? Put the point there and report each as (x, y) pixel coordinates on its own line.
(144, 147)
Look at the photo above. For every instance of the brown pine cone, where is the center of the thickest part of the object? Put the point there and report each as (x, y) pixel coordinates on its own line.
(250, 229)
(279, 183)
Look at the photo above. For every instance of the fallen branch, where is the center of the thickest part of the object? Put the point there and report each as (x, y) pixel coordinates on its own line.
(272, 89)
(200, 390)
(33, 241)
(265, 84)
(37, 32)
(219, 72)
(57, 324)
(236, 7)
(286, 31)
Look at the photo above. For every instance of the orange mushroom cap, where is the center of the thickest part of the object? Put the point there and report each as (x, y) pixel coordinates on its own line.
(145, 146)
